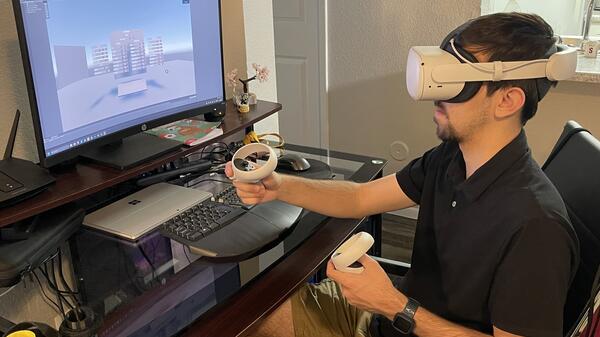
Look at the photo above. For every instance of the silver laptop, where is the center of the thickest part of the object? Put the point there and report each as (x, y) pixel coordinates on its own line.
(141, 212)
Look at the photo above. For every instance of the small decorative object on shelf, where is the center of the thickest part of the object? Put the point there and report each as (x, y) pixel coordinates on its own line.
(244, 99)
(590, 48)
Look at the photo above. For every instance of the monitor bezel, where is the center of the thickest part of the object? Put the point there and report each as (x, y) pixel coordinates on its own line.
(69, 154)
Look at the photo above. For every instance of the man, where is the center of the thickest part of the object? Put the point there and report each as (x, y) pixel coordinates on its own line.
(494, 252)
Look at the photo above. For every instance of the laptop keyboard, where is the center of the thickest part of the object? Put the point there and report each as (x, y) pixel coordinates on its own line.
(200, 221)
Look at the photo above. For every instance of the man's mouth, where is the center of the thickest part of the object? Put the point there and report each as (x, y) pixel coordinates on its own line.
(439, 109)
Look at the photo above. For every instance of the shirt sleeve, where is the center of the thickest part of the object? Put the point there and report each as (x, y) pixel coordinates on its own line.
(411, 178)
(529, 290)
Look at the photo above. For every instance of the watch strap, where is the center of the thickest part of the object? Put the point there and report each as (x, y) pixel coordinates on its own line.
(411, 308)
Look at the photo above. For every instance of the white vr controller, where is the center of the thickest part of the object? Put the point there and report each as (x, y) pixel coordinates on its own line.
(350, 251)
(249, 172)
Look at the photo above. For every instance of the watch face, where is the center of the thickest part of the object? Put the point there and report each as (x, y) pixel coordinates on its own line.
(403, 324)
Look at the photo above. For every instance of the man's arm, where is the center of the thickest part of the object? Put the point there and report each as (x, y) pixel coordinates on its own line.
(373, 291)
(344, 199)
(429, 324)
(341, 199)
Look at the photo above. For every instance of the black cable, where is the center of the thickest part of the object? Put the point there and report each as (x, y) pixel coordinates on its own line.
(51, 285)
(66, 286)
(59, 297)
(214, 145)
(189, 178)
(47, 298)
(63, 279)
(226, 150)
(201, 166)
(54, 290)
(186, 254)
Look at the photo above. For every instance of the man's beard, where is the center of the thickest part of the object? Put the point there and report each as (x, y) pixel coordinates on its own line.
(447, 133)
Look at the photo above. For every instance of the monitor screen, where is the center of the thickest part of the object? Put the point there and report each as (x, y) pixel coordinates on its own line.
(98, 67)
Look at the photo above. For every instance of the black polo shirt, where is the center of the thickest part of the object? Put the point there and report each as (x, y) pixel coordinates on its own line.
(495, 249)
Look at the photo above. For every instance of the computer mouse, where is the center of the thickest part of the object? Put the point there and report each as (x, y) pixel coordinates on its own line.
(292, 162)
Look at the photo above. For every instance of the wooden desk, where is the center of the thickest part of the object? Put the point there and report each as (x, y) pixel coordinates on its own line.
(86, 178)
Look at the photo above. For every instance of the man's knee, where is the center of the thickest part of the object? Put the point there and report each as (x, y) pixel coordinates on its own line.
(278, 324)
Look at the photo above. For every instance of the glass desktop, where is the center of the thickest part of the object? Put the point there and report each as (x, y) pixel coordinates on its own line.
(156, 287)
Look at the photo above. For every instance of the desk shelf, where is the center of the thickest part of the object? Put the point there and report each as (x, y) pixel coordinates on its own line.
(86, 178)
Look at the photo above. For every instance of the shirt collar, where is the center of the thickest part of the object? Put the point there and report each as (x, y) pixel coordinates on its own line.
(488, 172)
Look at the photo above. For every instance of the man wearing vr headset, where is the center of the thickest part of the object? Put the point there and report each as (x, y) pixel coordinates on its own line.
(494, 251)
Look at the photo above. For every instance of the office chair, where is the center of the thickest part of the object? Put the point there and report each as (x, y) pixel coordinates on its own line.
(573, 168)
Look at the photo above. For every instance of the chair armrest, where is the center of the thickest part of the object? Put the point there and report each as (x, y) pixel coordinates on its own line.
(392, 266)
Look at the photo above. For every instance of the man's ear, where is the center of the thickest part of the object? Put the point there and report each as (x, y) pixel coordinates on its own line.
(510, 102)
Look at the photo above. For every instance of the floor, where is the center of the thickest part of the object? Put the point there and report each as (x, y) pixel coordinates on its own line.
(398, 235)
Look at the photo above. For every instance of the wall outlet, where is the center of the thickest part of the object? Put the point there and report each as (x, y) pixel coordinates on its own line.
(399, 150)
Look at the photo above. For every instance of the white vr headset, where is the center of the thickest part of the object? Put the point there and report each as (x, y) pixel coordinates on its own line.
(450, 73)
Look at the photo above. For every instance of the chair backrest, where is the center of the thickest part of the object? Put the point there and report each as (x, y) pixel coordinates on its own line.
(574, 168)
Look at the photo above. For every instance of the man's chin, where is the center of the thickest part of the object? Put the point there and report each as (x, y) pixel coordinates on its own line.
(442, 134)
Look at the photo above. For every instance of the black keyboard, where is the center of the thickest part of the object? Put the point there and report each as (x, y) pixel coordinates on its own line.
(230, 197)
(200, 221)
(224, 228)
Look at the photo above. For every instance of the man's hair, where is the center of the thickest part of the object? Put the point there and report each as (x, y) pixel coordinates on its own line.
(512, 37)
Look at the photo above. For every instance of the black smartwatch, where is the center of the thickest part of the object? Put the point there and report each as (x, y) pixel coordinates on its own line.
(404, 321)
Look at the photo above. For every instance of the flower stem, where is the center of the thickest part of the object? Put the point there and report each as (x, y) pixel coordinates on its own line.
(245, 83)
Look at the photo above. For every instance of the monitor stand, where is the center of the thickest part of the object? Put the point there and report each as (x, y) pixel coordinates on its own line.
(131, 151)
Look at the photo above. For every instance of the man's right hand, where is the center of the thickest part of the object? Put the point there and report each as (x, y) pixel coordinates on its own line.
(256, 193)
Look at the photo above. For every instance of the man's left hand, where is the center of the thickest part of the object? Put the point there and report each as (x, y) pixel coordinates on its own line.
(372, 290)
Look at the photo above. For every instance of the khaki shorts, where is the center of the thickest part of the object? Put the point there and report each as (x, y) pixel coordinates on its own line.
(321, 310)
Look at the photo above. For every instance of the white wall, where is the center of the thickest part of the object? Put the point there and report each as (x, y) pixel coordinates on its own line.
(13, 91)
(369, 106)
(260, 48)
(368, 102)
(569, 100)
(564, 16)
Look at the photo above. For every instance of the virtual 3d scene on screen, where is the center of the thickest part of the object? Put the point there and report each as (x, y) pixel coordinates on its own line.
(112, 57)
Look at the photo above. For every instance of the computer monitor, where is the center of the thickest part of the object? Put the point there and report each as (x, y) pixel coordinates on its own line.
(101, 70)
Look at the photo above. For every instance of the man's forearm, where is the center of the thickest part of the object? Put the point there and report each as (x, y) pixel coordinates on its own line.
(335, 198)
(427, 323)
